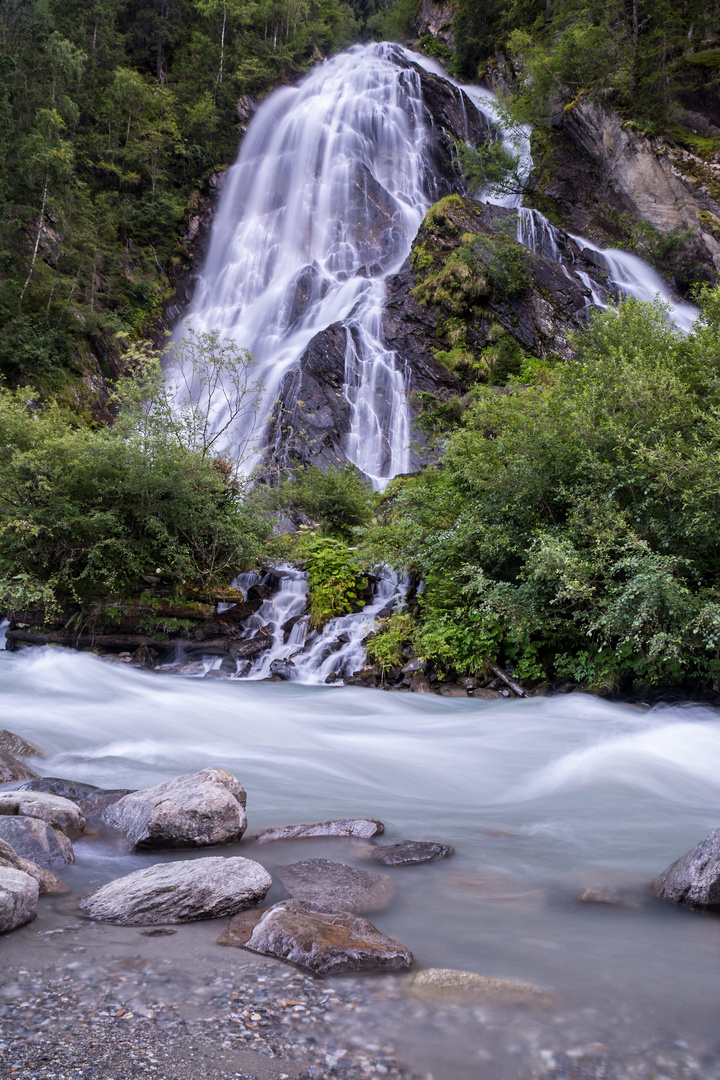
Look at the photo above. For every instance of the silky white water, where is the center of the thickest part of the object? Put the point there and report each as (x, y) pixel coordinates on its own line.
(540, 798)
(323, 203)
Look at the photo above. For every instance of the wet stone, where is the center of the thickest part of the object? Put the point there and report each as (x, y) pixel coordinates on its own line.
(50, 808)
(66, 789)
(362, 828)
(179, 892)
(18, 746)
(694, 879)
(241, 927)
(467, 987)
(11, 769)
(336, 887)
(194, 810)
(47, 882)
(18, 899)
(324, 942)
(410, 852)
(37, 841)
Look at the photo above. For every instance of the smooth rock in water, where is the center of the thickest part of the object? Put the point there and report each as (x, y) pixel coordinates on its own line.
(453, 691)
(363, 828)
(609, 896)
(194, 810)
(180, 892)
(51, 808)
(94, 804)
(18, 899)
(66, 789)
(12, 769)
(694, 879)
(33, 839)
(482, 693)
(47, 882)
(324, 942)
(410, 852)
(469, 988)
(420, 684)
(10, 743)
(282, 669)
(335, 887)
(241, 926)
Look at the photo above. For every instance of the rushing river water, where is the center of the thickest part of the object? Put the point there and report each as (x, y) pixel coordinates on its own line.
(540, 798)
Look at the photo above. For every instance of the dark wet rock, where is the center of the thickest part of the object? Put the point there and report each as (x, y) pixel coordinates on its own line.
(66, 789)
(282, 668)
(326, 943)
(694, 879)
(11, 769)
(469, 988)
(238, 613)
(245, 650)
(37, 841)
(335, 886)
(364, 677)
(483, 693)
(179, 892)
(195, 810)
(18, 899)
(453, 691)
(10, 743)
(47, 882)
(414, 665)
(53, 809)
(146, 657)
(362, 828)
(241, 926)
(609, 896)
(420, 684)
(93, 805)
(410, 852)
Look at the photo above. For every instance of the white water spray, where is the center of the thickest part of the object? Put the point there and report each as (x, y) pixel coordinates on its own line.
(322, 205)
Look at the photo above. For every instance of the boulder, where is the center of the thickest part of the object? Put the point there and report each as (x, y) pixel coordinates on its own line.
(410, 852)
(482, 693)
(335, 887)
(94, 804)
(33, 839)
(11, 769)
(179, 892)
(282, 668)
(47, 882)
(55, 810)
(241, 926)
(420, 684)
(453, 691)
(363, 828)
(694, 879)
(469, 988)
(66, 789)
(18, 899)
(10, 743)
(195, 810)
(325, 943)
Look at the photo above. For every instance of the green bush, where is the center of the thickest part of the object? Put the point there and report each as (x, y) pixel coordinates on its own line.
(338, 499)
(336, 579)
(572, 528)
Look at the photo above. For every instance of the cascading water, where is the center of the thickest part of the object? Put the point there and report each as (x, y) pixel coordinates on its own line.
(323, 203)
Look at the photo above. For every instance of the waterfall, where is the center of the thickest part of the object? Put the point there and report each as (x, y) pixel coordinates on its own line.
(323, 203)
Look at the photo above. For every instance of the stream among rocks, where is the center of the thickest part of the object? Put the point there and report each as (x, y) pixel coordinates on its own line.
(560, 811)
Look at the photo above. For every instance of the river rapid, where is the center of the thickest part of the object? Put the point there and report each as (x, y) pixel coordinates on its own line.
(541, 799)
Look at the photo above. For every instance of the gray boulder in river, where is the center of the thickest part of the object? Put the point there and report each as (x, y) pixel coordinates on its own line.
(694, 879)
(180, 892)
(364, 828)
(325, 942)
(50, 808)
(18, 898)
(11, 769)
(47, 882)
(195, 810)
(31, 838)
(335, 886)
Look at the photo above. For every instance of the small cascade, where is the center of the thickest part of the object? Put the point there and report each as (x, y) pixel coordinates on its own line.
(299, 654)
(535, 232)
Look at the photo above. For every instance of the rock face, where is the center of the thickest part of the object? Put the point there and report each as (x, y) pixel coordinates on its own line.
(195, 810)
(10, 743)
(18, 899)
(410, 852)
(363, 828)
(12, 769)
(436, 19)
(34, 839)
(694, 879)
(47, 882)
(466, 987)
(180, 892)
(335, 887)
(50, 808)
(326, 943)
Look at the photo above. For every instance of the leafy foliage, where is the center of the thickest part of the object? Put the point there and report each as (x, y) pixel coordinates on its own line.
(335, 576)
(338, 499)
(571, 530)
